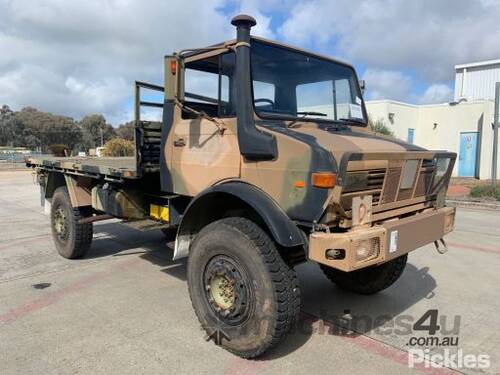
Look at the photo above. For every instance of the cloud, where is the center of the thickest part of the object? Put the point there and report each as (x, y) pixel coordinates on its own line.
(387, 84)
(395, 85)
(429, 37)
(263, 27)
(436, 93)
(76, 57)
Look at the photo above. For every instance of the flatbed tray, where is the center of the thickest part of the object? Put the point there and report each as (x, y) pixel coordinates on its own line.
(117, 167)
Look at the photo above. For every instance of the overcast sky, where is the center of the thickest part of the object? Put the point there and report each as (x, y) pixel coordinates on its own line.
(77, 57)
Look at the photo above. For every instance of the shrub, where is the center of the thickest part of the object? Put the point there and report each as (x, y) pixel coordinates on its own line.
(380, 127)
(118, 147)
(59, 150)
(486, 191)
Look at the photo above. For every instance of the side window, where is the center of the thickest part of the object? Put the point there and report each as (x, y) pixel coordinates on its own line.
(201, 87)
(208, 86)
(228, 99)
(264, 94)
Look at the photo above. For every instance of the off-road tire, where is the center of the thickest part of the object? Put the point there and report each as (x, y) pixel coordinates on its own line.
(274, 302)
(78, 237)
(368, 280)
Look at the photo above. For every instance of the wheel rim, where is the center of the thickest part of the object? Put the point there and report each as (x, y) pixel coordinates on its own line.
(222, 291)
(60, 226)
(227, 290)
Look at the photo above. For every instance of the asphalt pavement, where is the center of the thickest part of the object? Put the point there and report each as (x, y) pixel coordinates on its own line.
(125, 307)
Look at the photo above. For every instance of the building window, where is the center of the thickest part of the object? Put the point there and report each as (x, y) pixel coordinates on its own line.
(411, 136)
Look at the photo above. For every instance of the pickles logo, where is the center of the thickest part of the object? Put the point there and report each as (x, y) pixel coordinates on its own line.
(447, 359)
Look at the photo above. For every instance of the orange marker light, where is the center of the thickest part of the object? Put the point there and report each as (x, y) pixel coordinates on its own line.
(173, 66)
(324, 179)
(300, 184)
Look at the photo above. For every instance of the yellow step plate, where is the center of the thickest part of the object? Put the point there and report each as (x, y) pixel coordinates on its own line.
(157, 212)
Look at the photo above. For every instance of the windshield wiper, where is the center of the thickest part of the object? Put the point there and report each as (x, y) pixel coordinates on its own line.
(304, 114)
(356, 121)
(312, 114)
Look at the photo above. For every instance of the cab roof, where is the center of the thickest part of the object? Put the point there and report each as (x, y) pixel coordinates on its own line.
(198, 53)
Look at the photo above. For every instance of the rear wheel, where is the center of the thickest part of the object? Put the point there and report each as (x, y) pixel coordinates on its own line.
(245, 296)
(368, 280)
(72, 239)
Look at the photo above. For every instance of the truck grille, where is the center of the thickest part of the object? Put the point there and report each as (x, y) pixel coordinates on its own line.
(393, 192)
(424, 179)
(391, 186)
(384, 184)
(361, 183)
(376, 182)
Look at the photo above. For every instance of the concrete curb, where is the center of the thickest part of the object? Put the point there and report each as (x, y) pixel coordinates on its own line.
(473, 204)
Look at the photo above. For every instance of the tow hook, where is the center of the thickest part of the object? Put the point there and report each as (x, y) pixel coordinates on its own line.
(443, 248)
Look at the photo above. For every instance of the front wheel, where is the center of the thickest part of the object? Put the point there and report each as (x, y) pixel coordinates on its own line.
(368, 280)
(72, 238)
(245, 296)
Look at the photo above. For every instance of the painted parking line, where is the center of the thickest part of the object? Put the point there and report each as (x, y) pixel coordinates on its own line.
(51, 298)
(482, 249)
(376, 347)
(396, 355)
(241, 366)
(24, 241)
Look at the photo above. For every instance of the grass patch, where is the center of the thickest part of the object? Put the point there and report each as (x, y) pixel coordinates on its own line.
(486, 191)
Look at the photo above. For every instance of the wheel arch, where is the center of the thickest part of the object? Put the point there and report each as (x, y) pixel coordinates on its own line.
(235, 198)
(54, 181)
(79, 188)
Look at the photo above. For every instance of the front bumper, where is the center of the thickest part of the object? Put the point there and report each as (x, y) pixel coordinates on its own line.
(364, 247)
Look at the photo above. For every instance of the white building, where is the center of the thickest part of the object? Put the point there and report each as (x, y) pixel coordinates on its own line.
(463, 126)
(476, 81)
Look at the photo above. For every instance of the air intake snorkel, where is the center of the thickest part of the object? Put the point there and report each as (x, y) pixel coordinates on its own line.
(254, 144)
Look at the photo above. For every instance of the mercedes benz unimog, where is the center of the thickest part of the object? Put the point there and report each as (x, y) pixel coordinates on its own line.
(262, 160)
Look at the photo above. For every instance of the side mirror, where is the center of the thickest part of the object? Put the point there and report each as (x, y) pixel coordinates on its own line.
(362, 86)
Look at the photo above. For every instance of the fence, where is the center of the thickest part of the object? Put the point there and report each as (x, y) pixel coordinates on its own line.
(16, 160)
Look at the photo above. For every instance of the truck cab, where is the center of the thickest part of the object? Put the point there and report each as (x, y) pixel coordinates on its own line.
(292, 126)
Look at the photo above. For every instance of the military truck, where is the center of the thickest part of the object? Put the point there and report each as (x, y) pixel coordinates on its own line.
(262, 160)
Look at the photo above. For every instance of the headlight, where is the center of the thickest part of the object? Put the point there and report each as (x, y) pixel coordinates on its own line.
(366, 249)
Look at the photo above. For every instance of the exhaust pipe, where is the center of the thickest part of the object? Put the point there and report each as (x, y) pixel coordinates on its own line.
(254, 144)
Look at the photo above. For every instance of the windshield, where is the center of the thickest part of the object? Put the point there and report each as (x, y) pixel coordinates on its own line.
(289, 83)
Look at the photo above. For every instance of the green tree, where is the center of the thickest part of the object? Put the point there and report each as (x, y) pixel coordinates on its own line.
(9, 126)
(95, 129)
(41, 129)
(126, 131)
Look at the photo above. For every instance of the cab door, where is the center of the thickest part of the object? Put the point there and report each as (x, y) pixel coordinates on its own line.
(205, 151)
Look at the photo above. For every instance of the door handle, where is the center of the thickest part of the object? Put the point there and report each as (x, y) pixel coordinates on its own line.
(180, 142)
